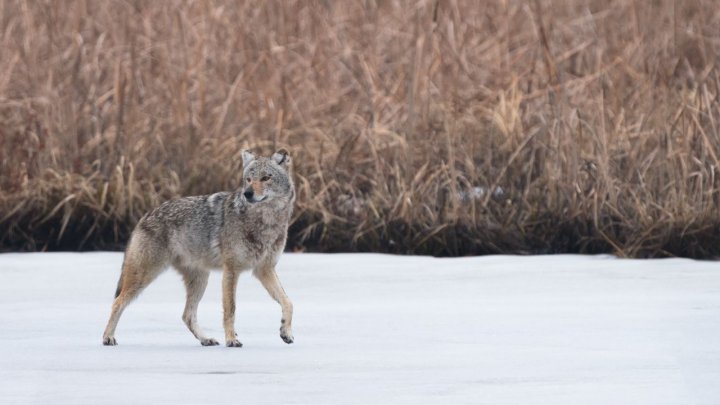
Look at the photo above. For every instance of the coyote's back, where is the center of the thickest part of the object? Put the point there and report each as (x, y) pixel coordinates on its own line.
(236, 231)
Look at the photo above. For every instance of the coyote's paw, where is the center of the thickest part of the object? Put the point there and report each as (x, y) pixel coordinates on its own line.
(233, 343)
(286, 336)
(209, 342)
(109, 341)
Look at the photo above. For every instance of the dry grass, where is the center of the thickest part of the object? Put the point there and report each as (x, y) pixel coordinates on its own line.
(595, 121)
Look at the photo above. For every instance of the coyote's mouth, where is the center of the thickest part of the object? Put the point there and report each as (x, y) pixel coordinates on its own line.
(254, 200)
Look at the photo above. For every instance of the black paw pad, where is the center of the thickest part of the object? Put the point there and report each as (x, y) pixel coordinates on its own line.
(209, 342)
(233, 343)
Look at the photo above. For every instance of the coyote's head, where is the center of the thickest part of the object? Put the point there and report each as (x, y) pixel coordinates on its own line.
(267, 178)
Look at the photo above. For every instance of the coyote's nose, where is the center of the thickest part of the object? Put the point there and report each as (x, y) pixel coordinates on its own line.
(248, 194)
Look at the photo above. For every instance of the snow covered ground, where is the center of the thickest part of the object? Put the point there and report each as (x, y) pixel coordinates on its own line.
(371, 329)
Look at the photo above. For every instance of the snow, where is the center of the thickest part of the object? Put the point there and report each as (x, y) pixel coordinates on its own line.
(371, 329)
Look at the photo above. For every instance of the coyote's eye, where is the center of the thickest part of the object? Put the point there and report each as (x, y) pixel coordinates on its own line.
(249, 180)
(265, 178)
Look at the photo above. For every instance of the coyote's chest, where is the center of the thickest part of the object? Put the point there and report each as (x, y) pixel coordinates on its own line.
(259, 237)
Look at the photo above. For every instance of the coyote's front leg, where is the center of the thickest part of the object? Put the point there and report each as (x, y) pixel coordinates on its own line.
(269, 279)
(230, 278)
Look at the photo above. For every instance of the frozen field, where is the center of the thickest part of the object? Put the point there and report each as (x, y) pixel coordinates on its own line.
(371, 329)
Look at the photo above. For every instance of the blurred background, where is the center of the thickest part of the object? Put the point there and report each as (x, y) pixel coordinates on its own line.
(443, 127)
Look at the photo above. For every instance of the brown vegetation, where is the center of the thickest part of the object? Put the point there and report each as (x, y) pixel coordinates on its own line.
(444, 127)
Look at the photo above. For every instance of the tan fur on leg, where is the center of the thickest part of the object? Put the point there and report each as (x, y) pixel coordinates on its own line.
(269, 279)
(195, 284)
(139, 270)
(230, 278)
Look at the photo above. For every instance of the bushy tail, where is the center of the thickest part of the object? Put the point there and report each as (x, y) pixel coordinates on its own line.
(120, 282)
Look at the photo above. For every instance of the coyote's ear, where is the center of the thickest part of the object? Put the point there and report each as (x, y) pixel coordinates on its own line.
(281, 157)
(247, 157)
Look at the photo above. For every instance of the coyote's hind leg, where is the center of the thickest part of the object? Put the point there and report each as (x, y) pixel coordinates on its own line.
(121, 302)
(135, 277)
(196, 281)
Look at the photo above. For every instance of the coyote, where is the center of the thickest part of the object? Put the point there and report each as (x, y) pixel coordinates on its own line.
(238, 231)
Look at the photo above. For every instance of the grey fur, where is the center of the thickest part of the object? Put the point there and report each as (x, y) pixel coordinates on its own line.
(238, 231)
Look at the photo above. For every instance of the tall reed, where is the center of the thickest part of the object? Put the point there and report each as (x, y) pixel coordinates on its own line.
(446, 127)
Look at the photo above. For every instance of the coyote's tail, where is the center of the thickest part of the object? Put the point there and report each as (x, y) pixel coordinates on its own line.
(120, 282)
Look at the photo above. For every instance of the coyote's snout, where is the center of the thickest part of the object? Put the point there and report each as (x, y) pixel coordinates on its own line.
(235, 231)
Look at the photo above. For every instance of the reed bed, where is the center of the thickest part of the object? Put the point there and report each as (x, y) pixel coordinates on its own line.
(448, 127)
